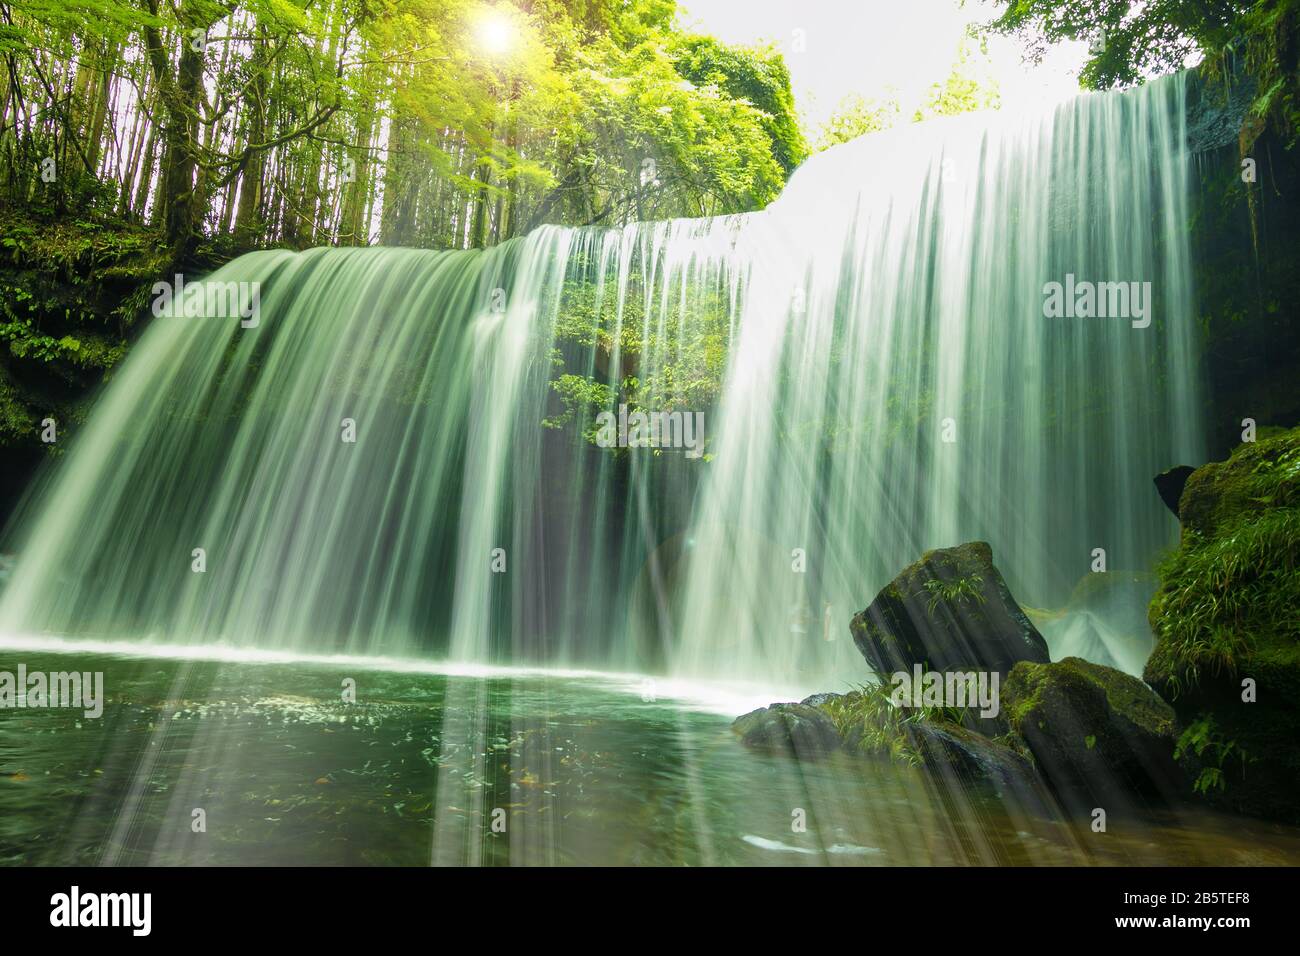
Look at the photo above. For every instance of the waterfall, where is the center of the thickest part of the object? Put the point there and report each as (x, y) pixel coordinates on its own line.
(393, 457)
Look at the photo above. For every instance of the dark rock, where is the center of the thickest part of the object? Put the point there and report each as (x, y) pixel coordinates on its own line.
(951, 610)
(1226, 613)
(865, 724)
(963, 756)
(1169, 485)
(795, 730)
(820, 700)
(1215, 114)
(1100, 737)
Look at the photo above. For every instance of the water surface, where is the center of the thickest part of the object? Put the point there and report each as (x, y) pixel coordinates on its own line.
(581, 770)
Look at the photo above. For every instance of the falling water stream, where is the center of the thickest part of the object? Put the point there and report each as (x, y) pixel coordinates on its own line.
(891, 384)
(393, 465)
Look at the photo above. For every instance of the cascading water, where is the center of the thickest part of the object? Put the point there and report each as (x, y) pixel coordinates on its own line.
(916, 395)
(889, 383)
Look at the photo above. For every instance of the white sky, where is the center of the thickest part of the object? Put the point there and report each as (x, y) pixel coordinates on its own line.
(868, 46)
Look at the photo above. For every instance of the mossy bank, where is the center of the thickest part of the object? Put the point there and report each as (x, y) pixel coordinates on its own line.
(1227, 625)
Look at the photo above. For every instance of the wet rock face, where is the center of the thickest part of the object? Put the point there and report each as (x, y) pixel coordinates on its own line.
(1215, 118)
(1100, 737)
(949, 611)
(959, 755)
(794, 730)
(862, 724)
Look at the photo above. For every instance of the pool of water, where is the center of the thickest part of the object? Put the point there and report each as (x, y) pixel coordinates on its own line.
(493, 768)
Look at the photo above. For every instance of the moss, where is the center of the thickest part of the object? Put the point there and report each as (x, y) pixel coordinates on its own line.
(15, 418)
(1231, 592)
(1228, 609)
(1127, 697)
(929, 737)
(1017, 707)
(72, 291)
(1032, 689)
(1259, 476)
(1096, 733)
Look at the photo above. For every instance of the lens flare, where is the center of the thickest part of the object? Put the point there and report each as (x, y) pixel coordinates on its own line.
(497, 34)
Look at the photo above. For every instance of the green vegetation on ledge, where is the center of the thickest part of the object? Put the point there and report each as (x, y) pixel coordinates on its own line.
(1227, 624)
(71, 292)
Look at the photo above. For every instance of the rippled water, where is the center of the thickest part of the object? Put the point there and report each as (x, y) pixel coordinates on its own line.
(583, 769)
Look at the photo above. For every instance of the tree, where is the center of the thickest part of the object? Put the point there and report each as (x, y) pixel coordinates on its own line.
(858, 116)
(1129, 42)
(968, 87)
(238, 123)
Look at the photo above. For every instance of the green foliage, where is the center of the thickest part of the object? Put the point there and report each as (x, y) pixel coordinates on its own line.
(755, 76)
(1142, 40)
(402, 121)
(956, 591)
(70, 294)
(1234, 583)
(968, 87)
(1217, 591)
(1270, 39)
(653, 350)
(1212, 751)
(297, 124)
(649, 143)
(873, 725)
(858, 116)
(581, 398)
(870, 724)
(1227, 623)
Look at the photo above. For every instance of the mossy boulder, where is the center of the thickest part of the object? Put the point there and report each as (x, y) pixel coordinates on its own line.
(1100, 737)
(949, 611)
(865, 724)
(1259, 478)
(1226, 619)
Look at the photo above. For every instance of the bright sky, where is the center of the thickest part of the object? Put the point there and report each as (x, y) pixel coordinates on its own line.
(869, 46)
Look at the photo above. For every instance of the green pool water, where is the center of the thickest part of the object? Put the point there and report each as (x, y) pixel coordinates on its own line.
(511, 769)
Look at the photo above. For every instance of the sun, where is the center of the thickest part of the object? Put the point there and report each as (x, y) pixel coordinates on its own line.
(497, 33)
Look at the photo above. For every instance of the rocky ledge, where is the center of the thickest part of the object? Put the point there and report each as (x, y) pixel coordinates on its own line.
(1070, 734)
(1216, 719)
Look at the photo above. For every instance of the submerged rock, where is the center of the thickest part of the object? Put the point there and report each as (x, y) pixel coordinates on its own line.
(1099, 736)
(1227, 653)
(949, 611)
(796, 730)
(1169, 485)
